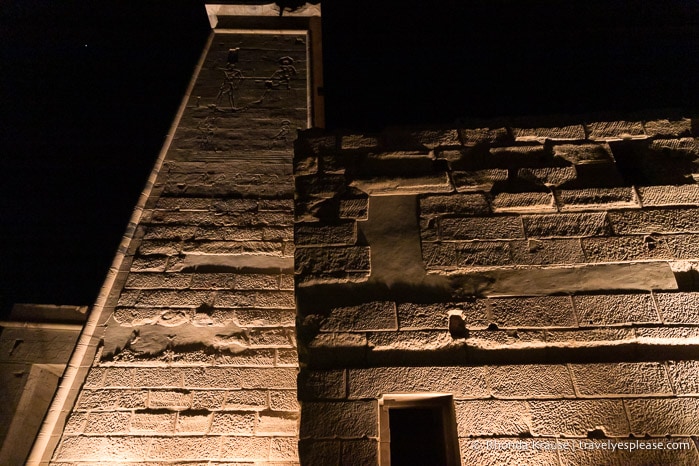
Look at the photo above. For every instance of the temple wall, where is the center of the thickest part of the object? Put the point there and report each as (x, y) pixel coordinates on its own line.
(543, 279)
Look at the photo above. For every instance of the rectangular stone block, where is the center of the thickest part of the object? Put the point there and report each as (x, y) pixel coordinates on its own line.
(283, 451)
(668, 128)
(169, 399)
(614, 130)
(478, 180)
(683, 246)
(233, 423)
(320, 451)
(251, 318)
(174, 298)
(243, 377)
(653, 196)
(374, 315)
(325, 186)
(663, 416)
(482, 228)
(439, 255)
(184, 448)
(546, 251)
(611, 309)
(471, 136)
(519, 156)
(158, 280)
(548, 176)
(557, 225)
(110, 400)
(325, 234)
(621, 379)
(524, 202)
(112, 422)
(315, 260)
(596, 335)
(597, 198)
(678, 333)
(583, 154)
(161, 422)
(682, 147)
(156, 377)
(274, 299)
(170, 232)
(454, 204)
(354, 208)
(229, 233)
(339, 419)
(530, 381)
(245, 449)
(92, 449)
(322, 384)
(409, 340)
(436, 182)
(283, 400)
(437, 138)
(482, 253)
(486, 418)
(543, 311)
(626, 248)
(414, 316)
(578, 418)
(255, 400)
(191, 423)
(235, 299)
(680, 220)
(558, 133)
(683, 375)
(278, 424)
(462, 382)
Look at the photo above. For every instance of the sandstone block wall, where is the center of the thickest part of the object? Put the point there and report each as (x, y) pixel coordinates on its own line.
(545, 277)
(198, 359)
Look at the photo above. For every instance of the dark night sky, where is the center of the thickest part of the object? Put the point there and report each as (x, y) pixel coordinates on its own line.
(89, 89)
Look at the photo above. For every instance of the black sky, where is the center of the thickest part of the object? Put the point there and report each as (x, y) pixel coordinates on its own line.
(89, 90)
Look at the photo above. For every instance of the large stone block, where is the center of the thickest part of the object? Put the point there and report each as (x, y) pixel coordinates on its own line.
(246, 377)
(680, 220)
(543, 311)
(610, 309)
(653, 196)
(663, 416)
(375, 315)
(668, 128)
(583, 154)
(245, 449)
(597, 198)
(415, 316)
(462, 382)
(111, 422)
(278, 424)
(322, 384)
(233, 423)
(482, 228)
(621, 379)
(497, 136)
(153, 422)
(626, 248)
(93, 450)
(339, 419)
(320, 452)
(192, 423)
(512, 157)
(158, 377)
(530, 381)
(455, 204)
(439, 255)
(683, 246)
(173, 400)
(614, 130)
(562, 225)
(478, 180)
(578, 418)
(255, 400)
(546, 251)
(684, 376)
(487, 418)
(317, 260)
(548, 176)
(558, 133)
(110, 400)
(325, 234)
(524, 202)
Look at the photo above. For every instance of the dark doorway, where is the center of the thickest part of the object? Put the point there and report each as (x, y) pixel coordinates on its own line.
(417, 437)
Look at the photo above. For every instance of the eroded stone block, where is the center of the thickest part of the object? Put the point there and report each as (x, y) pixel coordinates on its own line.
(681, 220)
(455, 204)
(546, 251)
(619, 379)
(543, 311)
(492, 417)
(530, 381)
(343, 419)
(686, 194)
(626, 248)
(663, 416)
(597, 198)
(524, 202)
(577, 418)
(482, 228)
(375, 315)
(684, 376)
(557, 225)
(612, 309)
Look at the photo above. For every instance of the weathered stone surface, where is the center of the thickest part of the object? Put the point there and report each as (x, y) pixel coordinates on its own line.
(318, 260)
(355, 208)
(482, 253)
(320, 451)
(414, 316)
(519, 156)
(681, 220)
(437, 138)
(439, 255)
(113, 422)
(553, 225)
(471, 136)
(505, 339)
(153, 422)
(546, 251)
(597, 198)
(678, 333)
(668, 128)
(375, 315)
(245, 449)
(663, 416)
(322, 384)
(530, 381)
(412, 340)
(235, 400)
(433, 183)
(524, 202)
(358, 141)
(548, 176)
(582, 154)
(509, 451)
(192, 423)
(361, 451)
(581, 337)
(455, 204)
(559, 133)
(478, 180)
(626, 248)
(688, 147)
(683, 246)
(492, 417)
(343, 419)
(233, 423)
(576, 418)
(614, 130)
(686, 194)
(683, 375)
(621, 379)
(501, 227)
(622, 452)
(463, 382)
(94, 449)
(245, 377)
(325, 234)
(615, 309)
(544, 311)
(283, 400)
(110, 400)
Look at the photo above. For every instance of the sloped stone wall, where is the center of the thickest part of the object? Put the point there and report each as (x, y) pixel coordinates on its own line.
(546, 277)
(198, 361)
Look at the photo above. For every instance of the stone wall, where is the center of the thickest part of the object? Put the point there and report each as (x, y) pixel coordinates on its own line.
(198, 362)
(543, 276)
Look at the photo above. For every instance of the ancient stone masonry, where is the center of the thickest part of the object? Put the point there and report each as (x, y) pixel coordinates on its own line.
(198, 360)
(546, 278)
